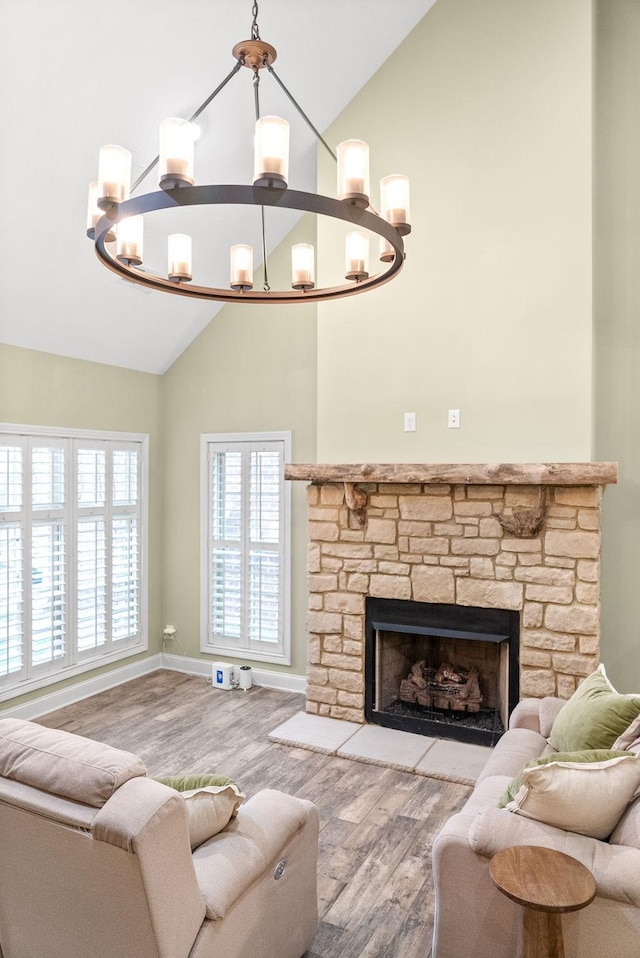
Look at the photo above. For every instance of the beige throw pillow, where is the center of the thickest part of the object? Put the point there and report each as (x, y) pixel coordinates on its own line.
(583, 797)
(630, 738)
(210, 809)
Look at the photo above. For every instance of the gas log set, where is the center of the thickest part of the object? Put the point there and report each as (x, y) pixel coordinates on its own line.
(448, 687)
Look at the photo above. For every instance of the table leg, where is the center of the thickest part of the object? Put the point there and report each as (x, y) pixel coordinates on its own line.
(542, 934)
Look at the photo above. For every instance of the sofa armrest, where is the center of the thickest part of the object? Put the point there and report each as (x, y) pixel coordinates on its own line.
(526, 714)
(536, 714)
(616, 868)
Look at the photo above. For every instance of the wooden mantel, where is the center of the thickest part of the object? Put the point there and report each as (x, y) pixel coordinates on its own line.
(502, 473)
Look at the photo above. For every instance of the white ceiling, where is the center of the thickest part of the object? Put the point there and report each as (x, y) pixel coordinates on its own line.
(76, 74)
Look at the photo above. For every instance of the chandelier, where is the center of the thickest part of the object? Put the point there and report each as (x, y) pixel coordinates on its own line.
(115, 218)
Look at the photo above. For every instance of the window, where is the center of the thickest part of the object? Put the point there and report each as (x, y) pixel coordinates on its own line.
(72, 553)
(245, 546)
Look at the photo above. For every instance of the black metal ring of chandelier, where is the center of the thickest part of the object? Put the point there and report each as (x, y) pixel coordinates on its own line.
(238, 195)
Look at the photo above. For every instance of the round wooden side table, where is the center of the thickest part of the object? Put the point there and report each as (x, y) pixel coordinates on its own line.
(547, 883)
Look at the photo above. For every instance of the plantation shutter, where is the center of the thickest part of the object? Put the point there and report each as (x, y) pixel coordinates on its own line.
(49, 646)
(125, 544)
(71, 554)
(12, 587)
(265, 553)
(246, 556)
(227, 580)
(91, 608)
(108, 545)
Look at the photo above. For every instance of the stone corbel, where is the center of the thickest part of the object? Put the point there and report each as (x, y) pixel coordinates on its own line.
(357, 501)
(525, 523)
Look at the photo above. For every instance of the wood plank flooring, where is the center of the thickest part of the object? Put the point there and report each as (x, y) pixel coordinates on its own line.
(377, 824)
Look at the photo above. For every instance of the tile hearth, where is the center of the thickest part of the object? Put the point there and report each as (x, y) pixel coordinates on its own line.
(375, 745)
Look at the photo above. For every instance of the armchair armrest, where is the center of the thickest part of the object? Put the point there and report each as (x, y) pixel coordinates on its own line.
(616, 868)
(233, 859)
(149, 820)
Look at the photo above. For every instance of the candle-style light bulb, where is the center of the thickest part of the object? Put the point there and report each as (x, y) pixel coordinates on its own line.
(302, 266)
(394, 202)
(179, 255)
(129, 233)
(356, 255)
(114, 176)
(387, 252)
(241, 267)
(176, 153)
(94, 213)
(353, 172)
(271, 156)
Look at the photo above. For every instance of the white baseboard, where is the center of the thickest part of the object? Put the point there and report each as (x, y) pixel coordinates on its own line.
(52, 701)
(284, 681)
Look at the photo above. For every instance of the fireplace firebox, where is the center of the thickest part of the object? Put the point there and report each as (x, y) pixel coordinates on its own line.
(443, 670)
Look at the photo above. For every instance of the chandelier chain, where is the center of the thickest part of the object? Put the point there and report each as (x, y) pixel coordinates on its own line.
(256, 93)
(265, 285)
(255, 29)
(256, 100)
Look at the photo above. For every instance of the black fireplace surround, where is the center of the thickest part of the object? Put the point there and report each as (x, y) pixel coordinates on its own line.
(420, 620)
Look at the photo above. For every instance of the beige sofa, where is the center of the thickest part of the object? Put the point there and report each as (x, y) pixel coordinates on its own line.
(95, 861)
(473, 919)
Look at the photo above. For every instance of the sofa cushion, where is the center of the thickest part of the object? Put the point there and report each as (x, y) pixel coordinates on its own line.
(594, 716)
(64, 764)
(583, 792)
(211, 800)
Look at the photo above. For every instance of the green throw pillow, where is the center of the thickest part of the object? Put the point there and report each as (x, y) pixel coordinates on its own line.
(587, 756)
(185, 783)
(583, 792)
(594, 716)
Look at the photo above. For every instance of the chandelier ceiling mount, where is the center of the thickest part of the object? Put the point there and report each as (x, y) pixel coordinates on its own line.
(255, 54)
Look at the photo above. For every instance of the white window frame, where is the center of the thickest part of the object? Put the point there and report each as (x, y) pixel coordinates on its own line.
(76, 662)
(207, 640)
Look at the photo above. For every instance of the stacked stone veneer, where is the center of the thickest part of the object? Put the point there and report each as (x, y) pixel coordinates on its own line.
(443, 543)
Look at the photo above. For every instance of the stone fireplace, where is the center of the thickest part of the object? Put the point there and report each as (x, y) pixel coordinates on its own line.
(521, 538)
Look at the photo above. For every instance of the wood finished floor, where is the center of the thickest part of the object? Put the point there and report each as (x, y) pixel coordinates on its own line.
(377, 824)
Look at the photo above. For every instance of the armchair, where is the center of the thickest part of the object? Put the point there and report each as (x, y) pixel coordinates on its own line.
(96, 860)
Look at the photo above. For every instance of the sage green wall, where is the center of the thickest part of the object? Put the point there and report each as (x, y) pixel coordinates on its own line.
(251, 370)
(45, 390)
(617, 327)
(487, 107)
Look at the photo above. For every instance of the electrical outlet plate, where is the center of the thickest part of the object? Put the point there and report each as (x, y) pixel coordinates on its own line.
(454, 419)
(409, 422)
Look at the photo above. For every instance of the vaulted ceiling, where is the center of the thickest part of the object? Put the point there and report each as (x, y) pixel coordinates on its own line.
(76, 74)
